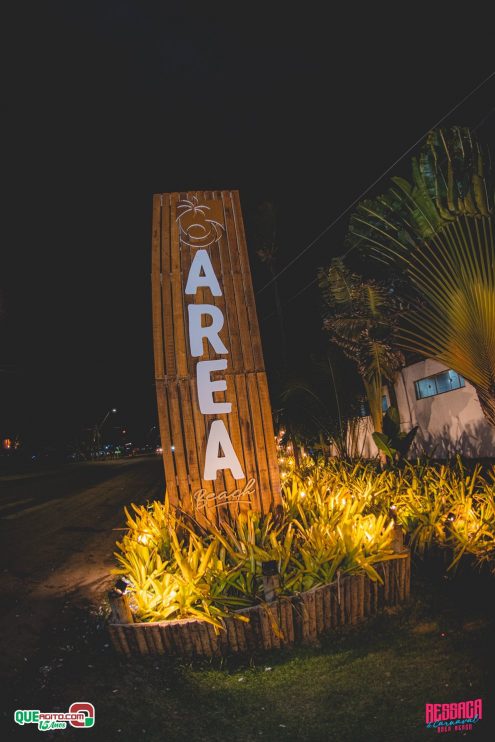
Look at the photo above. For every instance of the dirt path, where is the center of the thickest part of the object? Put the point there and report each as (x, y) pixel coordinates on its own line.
(56, 531)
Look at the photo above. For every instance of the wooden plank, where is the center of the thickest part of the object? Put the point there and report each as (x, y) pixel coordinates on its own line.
(177, 293)
(334, 605)
(259, 442)
(214, 638)
(167, 638)
(269, 433)
(157, 638)
(156, 289)
(179, 453)
(319, 611)
(220, 301)
(327, 607)
(120, 632)
(275, 623)
(227, 285)
(186, 636)
(251, 470)
(167, 312)
(166, 441)
(237, 442)
(249, 630)
(130, 636)
(200, 440)
(186, 258)
(289, 620)
(189, 434)
(206, 649)
(241, 307)
(139, 636)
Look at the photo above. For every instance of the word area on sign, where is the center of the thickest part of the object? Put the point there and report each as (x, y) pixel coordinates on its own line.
(220, 453)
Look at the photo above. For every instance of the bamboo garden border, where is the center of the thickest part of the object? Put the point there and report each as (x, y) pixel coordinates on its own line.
(287, 621)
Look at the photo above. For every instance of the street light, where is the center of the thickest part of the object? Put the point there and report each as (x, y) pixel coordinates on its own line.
(98, 427)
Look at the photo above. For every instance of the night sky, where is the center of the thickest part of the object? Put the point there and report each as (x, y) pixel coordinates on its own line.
(109, 102)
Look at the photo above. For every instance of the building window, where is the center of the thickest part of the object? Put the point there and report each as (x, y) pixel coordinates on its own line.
(447, 381)
(364, 407)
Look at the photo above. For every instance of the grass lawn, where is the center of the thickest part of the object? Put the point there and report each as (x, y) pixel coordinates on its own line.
(367, 683)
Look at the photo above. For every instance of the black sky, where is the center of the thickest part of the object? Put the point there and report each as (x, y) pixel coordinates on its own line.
(108, 102)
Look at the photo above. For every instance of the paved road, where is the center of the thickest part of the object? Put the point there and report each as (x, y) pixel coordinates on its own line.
(57, 536)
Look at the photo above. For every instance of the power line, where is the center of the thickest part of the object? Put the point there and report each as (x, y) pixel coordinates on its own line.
(314, 280)
(375, 182)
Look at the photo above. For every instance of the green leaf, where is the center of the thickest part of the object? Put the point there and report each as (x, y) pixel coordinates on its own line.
(382, 442)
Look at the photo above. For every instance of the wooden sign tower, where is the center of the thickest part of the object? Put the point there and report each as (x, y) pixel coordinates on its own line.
(216, 427)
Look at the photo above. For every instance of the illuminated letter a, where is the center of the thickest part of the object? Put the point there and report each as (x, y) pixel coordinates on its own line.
(219, 438)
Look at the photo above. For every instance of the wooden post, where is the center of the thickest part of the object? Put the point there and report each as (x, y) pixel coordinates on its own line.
(398, 540)
(121, 610)
(271, 580)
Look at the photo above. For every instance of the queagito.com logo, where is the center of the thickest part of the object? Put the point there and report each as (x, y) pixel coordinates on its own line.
(80, 715)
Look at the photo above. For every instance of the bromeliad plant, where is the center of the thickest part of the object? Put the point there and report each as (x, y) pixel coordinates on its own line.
(175, 570)
(337, 518)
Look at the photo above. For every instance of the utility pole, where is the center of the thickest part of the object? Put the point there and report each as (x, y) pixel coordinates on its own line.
(98, 427)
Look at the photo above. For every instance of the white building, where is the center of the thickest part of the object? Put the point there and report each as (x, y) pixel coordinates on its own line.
(445, 408)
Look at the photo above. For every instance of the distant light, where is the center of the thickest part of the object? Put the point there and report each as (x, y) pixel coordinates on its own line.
(173, 448)
(159, 449)
(114, 410)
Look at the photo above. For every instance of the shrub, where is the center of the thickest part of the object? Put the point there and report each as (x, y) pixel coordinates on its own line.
(337, 517)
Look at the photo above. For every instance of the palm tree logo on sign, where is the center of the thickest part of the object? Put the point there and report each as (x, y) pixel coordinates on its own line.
(195, 226)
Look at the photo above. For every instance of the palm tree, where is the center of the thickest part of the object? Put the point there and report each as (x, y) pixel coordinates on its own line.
(320, 402)
(361, 317)
(438, 230)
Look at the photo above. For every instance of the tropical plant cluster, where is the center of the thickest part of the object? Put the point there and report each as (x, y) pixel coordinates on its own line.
(445, 507)
(176, 568)
(431, 239)
(338, 517)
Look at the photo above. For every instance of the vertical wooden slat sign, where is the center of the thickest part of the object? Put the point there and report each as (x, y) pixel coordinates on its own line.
(214, 411)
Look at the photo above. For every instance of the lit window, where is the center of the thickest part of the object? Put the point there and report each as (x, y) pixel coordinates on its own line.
(363, 408)
(447, 381)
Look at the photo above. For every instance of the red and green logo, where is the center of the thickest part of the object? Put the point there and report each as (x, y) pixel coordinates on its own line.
(80, 715)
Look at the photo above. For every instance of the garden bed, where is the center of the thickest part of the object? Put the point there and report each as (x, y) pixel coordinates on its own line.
(298, 619)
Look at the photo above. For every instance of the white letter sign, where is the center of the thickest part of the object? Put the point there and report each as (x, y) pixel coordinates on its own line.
(219, 439)
(216, 428)
(206, 387)
(195, 280)
(197, 332)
